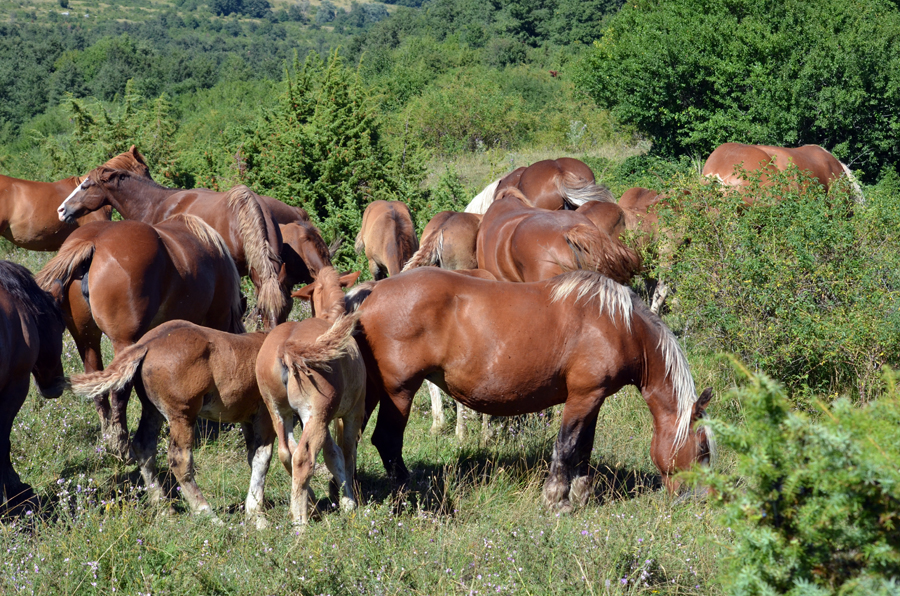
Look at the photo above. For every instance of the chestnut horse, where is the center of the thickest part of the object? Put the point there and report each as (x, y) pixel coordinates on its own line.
(314, 369)
(563, 183)
(506, 349)
(252, 237)
(518, 242)
(388, 237)
(181, 372)
(28, 209)
(303, 254)
(31, 328)
(124, 278)
(766, 159)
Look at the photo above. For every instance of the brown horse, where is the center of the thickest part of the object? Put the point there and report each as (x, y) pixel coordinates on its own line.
(252, 237)
(125, 278)
(387, 236)
(28, 216)
(31, 328)
(563, 183)
(182, 372)
(766, 159)
(314, 369)
(608, 217)
(448, 242)
(506, 349)
(518, 242)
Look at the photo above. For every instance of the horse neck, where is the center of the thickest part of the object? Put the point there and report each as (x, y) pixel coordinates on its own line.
(332, 297)
(665, 379)
(138, 199)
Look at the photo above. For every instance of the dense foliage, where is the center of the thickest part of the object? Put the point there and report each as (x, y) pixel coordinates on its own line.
(813, 500)
(802, 285)
(696, 73)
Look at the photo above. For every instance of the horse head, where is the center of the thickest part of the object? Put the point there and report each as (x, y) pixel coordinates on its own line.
(91, 194)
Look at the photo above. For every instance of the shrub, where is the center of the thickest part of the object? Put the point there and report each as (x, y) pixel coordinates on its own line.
(322, 149)
(814, 500)
(802, 285)
(696, 73)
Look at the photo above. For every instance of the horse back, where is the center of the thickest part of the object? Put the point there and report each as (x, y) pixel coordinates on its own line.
(722, 162)
(821, 164)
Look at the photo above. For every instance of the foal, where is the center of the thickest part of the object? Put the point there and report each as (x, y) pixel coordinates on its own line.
(314, 369)
(182, 372)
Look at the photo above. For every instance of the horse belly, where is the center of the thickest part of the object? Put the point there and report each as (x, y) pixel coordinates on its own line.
(507, 393)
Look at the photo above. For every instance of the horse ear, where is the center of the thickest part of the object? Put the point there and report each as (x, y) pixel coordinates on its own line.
(348, 279)
(306, 292)
(702, 401)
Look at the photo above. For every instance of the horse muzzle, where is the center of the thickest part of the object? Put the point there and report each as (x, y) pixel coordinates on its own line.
(64, 215)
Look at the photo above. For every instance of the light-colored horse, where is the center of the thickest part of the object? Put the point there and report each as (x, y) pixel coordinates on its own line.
(314, 369)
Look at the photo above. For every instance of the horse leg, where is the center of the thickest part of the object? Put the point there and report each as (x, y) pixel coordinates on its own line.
(659, 296)
(460, 422)
(259, 434)
(315, 432)
(13, 491)
(568, 478)
(393, 415)
(437, 408)
(353, 424)
(181, 462)
(143, 447)
(337, 465)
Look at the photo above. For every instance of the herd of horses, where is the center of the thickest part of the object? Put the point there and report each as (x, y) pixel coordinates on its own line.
(515, 305)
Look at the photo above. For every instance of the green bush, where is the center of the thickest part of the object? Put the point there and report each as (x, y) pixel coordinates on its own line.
(322, 149)
(696, 73)
(814, 500)
(803, 286)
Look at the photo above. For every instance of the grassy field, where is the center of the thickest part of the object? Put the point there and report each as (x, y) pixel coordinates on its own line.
(472, 522)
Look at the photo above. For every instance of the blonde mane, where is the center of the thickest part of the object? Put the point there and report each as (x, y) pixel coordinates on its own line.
(483, 200)
(613, 299)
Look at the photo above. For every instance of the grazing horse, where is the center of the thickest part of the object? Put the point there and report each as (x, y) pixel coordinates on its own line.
(766, 160)
(125, 278)
(563, 183)
(388, 237)
(31, 328)
(518, 242)
(314, 369)
(303, 254)
(507, 349)
(28, 209)
(181, 372)
(608, 217)
(252, 237)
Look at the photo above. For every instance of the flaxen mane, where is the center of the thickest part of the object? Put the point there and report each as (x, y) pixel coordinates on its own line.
(615, 299)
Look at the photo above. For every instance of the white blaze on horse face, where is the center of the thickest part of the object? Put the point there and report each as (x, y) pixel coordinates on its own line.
(61, 210)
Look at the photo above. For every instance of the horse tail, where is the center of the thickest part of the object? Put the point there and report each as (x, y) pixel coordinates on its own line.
(262, 257)
(74, 254)
(300, 357)
(211, 238)
(576, 191)
(597, 251)
(117, 375)
(855, 188)
(429, 253)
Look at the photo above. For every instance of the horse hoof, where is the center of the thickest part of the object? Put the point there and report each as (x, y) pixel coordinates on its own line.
(262, 523)
(347, 504)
